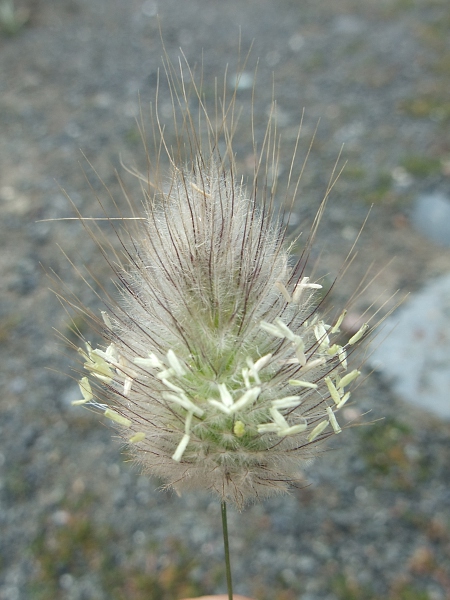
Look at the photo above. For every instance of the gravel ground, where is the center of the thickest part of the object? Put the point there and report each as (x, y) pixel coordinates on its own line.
(372, 520)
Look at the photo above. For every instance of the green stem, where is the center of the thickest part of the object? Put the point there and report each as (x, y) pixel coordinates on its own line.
(227, 550)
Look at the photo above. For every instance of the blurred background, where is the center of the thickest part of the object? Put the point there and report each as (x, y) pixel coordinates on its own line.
(372, 518)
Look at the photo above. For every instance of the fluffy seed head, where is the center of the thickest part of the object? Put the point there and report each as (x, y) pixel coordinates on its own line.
(218, 370)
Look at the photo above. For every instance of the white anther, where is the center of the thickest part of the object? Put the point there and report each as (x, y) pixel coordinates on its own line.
(225, 396)
(106, 319)
(268, 428)
(246, 378)
(111, 414)
(318, 430)
(321, 334)
(252, 371)
(187, 424)
(292, 430)
(334, 424)
(278, 418)
(305, 384)
(288, 334)
(345, 397)
(152, 361)
(272, 329)
(300, 287)
(127, 385)
(359, 334)
(287, 402)
(173, 387)
(178, 454)
(97, 364)
(86, 392)
(220, 406)
(262, 362)
(334, 393)
(282, 288)
(347, 379)
(166, 373)
(334, 349)
(175, 363)
(183, 400)
(300, 354)
(338, 323)
(313, 364)
(247, 398)
(110, 355)
(342, 354)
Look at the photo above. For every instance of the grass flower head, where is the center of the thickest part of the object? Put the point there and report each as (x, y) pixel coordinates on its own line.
(218, 369)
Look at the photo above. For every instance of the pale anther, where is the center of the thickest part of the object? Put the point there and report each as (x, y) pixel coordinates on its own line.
(175, 363)
(183, 400)
(313, 364)
(272, 329)
(338, 323)
(268, 428)
(178, 454)
(342, 354)
(318, 430)
(345, 397)
(127, 385)
(359, 334)
(305, 384)
(86, 391)
(246, 377)
(262, 362)
(225, 396)
(334, 424)
(172, 386)
(288, 334)
(106, 319)
(300, 355)
(137, 437)
(348, 378)
(302, 285)
(282, 288)
(287, 402)
(333, 390)
(152, 361)
(278, 418)
(321, 334)
(292, 430)
(334, 349)
(166, 373)
(117, 418)
(248, 398)
(252, 371)
(187, 424)
(220, 406)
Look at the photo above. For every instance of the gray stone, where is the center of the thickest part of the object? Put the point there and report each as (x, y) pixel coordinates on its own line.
(431, 217)
(415, 356)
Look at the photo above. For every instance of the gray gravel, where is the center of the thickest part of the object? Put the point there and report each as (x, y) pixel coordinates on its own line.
(372, 519)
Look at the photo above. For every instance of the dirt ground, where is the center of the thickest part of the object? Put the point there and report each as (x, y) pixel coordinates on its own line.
(75, 521)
